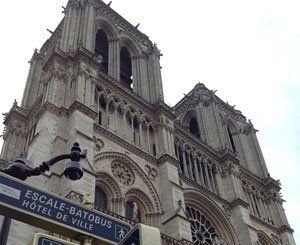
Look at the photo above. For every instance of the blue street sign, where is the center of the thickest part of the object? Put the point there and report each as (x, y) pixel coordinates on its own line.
(34, 204)
(48, 241)
(132, 238)
(44, 239)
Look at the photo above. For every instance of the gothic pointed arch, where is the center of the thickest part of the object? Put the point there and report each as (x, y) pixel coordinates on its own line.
(143, 203)
(141, 199)
(116, 156)
(106, 185)
(102, 49)
(264, 239)
(231, 130)
(130, 46)
(208, 220)
(107, 28)
(190, 122)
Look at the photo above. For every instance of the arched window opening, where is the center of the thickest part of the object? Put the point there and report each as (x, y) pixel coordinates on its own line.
(129, 212)
(193, 127)
(101, 49)
(102, 110)
(100, 198)
(126, 67)
(203, 233)
(231, 139)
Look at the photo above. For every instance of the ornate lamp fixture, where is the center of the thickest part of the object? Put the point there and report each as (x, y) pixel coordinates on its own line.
(73, 170)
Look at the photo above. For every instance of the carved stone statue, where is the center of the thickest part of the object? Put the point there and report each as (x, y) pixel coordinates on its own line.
(135, 211)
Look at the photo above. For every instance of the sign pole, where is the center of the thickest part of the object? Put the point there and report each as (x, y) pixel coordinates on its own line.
(5, 227)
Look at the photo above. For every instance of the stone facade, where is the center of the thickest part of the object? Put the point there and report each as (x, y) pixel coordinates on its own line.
(195, 170)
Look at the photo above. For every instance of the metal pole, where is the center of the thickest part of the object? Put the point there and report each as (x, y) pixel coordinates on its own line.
(5, 230)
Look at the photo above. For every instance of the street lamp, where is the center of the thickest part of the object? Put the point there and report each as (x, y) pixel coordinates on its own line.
(20, 170)
(73, 170)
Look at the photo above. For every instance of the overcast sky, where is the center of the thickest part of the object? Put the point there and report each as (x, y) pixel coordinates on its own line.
(247, 50)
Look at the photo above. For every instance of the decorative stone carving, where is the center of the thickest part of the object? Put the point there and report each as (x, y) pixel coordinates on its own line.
(123, 173)
(75, 197)
(227, 210)
(135, 212)
(98, 144)
(152, 173)
(227, 168)
(88, 200)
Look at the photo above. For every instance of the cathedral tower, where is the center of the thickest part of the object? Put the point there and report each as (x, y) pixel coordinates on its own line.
(195, 171)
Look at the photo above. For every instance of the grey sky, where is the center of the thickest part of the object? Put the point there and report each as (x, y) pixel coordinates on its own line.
(247, 50)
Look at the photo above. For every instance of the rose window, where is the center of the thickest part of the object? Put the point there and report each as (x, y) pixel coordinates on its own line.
(122, 173)
(203, 232)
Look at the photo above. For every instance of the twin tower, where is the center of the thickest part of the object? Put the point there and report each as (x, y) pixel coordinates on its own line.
(116, 47)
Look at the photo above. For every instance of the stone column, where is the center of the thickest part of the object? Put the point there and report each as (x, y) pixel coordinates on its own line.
(201, 172)
(194, 161)
(114, 58)
(205, 163)
(88, 27)
(148, 138)
(141, 134)
(174, 223)
(185, 169)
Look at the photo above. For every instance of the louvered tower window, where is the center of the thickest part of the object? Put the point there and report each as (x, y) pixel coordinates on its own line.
(101, 49)
(126, 67)
(100, 198)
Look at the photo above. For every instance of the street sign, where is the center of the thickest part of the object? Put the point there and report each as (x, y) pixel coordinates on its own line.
(132, 238)
(142, 235)
(43, 239)
(28, 204)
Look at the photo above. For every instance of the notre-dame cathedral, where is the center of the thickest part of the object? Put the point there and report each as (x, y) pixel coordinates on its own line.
(194, 170)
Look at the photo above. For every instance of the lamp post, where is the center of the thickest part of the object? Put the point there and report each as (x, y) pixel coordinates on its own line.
(20, 170)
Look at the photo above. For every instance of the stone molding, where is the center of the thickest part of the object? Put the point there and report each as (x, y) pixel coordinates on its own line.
(194, 186)
(137, 169)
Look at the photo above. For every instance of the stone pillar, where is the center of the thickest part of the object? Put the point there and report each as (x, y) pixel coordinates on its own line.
(88, 27)
(174, 220)
(114, 58)
(73, 19)
(201, 172)
(154, 74)
(185, 168)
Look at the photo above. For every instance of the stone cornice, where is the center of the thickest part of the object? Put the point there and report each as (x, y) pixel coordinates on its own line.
(173, 217)
(238, 202)
(167, 158)
(161, 108)
(262, 222)
(285, 228)
(136, 150)
(228, 155)
(77, 106)
(138, 36)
